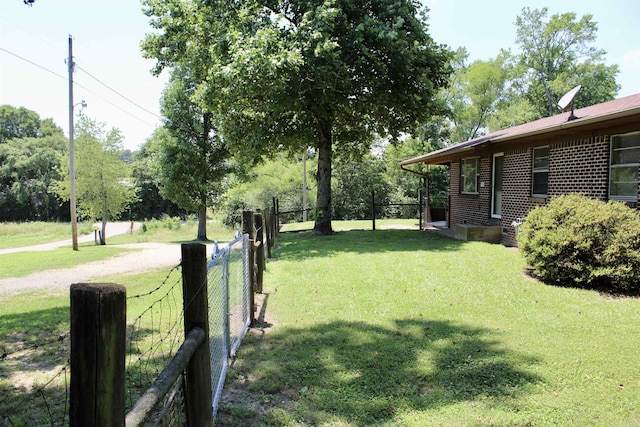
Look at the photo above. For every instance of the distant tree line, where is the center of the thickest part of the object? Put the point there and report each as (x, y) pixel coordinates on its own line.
(34, 176)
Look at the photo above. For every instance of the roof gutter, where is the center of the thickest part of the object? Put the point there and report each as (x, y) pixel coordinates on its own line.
(422, 158)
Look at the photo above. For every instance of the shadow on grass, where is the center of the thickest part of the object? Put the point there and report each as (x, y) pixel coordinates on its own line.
(300, 246)
(34, 370)
(606, 290)
(365, 374)
(33, 378)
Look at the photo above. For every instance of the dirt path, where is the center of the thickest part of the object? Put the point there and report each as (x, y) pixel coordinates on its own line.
(148, 256)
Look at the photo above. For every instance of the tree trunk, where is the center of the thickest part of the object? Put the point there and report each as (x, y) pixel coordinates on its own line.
(103, 237)
(202, 224)
(323, 218)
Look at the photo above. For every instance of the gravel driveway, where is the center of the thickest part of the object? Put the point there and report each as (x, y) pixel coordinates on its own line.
(148, 256)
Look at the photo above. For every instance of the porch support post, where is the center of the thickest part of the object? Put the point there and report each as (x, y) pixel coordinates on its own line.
(427, 204)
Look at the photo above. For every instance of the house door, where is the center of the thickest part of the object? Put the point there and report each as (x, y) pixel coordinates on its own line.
(496, 186)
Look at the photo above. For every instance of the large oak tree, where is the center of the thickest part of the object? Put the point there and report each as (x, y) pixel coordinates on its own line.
(286, 74)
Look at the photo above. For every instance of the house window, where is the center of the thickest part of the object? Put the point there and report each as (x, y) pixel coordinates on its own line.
(540, 172)
(625, 154)
(469, 175)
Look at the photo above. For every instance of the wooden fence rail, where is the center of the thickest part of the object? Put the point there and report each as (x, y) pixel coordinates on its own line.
(167, 378)
(98, 340)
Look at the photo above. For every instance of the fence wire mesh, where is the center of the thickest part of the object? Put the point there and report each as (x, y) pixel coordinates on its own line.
(154, 336)
(34, 371)
(229, 305)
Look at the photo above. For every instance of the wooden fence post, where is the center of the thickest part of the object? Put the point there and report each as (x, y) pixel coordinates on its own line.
(260, 261)
(273, 225)
(276, 207)
(197, 389)
(420, 224)
(267, 230)
(373, 209)
(247, 228)
(98, 343)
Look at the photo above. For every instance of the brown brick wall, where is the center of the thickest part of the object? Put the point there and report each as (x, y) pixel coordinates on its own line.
(579, 166)
(471, 208)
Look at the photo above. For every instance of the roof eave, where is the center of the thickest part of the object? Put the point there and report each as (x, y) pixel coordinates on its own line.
(437, 158)
(569, 125)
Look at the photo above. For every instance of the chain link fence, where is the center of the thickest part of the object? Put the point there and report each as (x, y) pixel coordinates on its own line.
(229, 306)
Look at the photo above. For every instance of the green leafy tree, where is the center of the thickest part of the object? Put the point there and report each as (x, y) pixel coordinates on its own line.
(27, 167)
(474, 95)
(430, 136)
(287, 74)
(102, 180)
(20, 122)
(149, 203)
(29, 158)
(353, 182)
(192, 159)
(281, 177)
(558, 53)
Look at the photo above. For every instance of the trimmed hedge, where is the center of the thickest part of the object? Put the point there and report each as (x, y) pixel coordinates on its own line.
(577, 241)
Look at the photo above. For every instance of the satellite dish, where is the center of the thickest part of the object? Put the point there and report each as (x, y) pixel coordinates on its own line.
(567, 99)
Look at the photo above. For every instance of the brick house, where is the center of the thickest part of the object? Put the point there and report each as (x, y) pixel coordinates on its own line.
(497, 178)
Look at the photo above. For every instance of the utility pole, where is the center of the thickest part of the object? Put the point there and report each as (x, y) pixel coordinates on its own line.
(72, 168)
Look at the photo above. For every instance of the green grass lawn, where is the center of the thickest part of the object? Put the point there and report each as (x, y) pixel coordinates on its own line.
(22, 264)
(404, 328)
(17, 235)
(187, 232)
(392, 327)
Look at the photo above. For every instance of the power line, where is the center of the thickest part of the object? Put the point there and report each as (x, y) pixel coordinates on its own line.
(118, 93)
(112, 104)
(34, 64)
(85, 88)
(29, 32)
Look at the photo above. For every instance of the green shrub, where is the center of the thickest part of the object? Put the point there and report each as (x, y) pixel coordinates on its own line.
(577, 241)
(167, 222)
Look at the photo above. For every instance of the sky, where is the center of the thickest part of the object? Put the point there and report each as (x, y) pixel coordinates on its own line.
(120, 91)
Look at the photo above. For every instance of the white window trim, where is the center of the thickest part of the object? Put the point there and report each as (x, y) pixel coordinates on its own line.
(462, 176)
(538, 170)
(621, 165)
(493, 181)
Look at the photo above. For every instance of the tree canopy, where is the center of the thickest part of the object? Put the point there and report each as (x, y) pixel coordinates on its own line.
(553, 54)
(283, 75)
(30, 149)
(27, 167)
(20, 122)
(558, 53)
